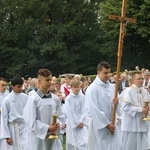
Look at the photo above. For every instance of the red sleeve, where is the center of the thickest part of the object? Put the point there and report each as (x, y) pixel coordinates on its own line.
(66, 91)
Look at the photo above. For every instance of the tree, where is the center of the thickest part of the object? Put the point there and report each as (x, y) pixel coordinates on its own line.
(63, 36)
(136, 43)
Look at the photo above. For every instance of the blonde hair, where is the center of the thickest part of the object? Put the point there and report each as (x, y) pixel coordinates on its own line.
(74, 83)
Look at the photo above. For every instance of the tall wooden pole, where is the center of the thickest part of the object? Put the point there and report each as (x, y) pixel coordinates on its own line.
(119, 56)
(123, 22)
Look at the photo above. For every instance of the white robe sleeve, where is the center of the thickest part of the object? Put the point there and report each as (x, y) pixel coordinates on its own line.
(83, 117)
(97, 115)
(5, 133)
(129, 109)
(40, 129)
(71, 116)
(126, 104)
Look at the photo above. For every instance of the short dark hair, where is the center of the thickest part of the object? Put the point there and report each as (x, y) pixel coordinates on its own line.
(102, 65)
(16, 80)
(44, 72)
(3, 79)
(135, 72)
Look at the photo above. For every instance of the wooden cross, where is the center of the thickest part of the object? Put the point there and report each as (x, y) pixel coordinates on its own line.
(123, 23)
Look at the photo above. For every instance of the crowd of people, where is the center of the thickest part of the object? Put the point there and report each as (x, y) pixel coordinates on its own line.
(36, 114)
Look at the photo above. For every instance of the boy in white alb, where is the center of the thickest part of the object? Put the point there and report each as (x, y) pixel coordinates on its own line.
(13, 127)
(38, 115)
(134, 129)
(76, 124)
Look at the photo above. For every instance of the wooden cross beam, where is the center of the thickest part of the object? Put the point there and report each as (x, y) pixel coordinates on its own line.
(123, 23)
(122, 19)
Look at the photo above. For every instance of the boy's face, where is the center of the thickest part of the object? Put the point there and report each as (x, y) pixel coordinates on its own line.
(138, 80)
(75, 89)
(44, 82)
(3, 86)
(17, 88)
(67, 81)
(85, 84)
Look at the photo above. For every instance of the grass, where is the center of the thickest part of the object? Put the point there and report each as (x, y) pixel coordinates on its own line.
(64, 142)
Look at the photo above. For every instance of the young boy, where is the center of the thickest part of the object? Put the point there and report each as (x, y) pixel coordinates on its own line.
(38, 115)
(76, 124)
(65, 88)
(13, 127)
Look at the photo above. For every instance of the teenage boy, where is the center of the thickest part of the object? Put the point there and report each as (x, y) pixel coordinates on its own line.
(13, 127)
(134, 129)
(38, 115)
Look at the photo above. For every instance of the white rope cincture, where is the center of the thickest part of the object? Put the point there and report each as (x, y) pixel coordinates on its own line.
(17, 136)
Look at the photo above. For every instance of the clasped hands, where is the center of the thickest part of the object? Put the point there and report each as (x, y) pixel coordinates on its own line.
(145, 110)
(53, 128)
(80, 125)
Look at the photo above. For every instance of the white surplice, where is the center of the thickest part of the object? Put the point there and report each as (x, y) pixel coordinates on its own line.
(3, 144)
(2, 96)
(132, 124)
(149, 136)
(76, 138)
(99, 104)
(12, 122)
(38, 117)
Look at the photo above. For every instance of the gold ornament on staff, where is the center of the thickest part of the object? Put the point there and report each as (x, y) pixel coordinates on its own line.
(123, 23)
(146, 118)
(54, 121)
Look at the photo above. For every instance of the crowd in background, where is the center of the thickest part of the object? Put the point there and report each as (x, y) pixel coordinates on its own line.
(57, 86)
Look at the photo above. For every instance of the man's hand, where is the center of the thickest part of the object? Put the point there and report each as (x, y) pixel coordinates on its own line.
(80, 125)
(115, 101)
(9, 141)
(53, 128)
(145, 111)
(111, 128)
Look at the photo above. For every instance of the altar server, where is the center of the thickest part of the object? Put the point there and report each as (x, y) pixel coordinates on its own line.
(76, 124)
(38, 115)
(134, 129)
(99, 98)
(13, 127)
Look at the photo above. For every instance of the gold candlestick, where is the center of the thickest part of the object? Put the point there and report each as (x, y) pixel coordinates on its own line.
(54, 120)
(146, 118)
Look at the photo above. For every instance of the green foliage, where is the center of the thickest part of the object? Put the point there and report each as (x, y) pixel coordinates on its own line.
(69, 36)
(136, 44)
(62, 36)
(109, 29)
(93, 77)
